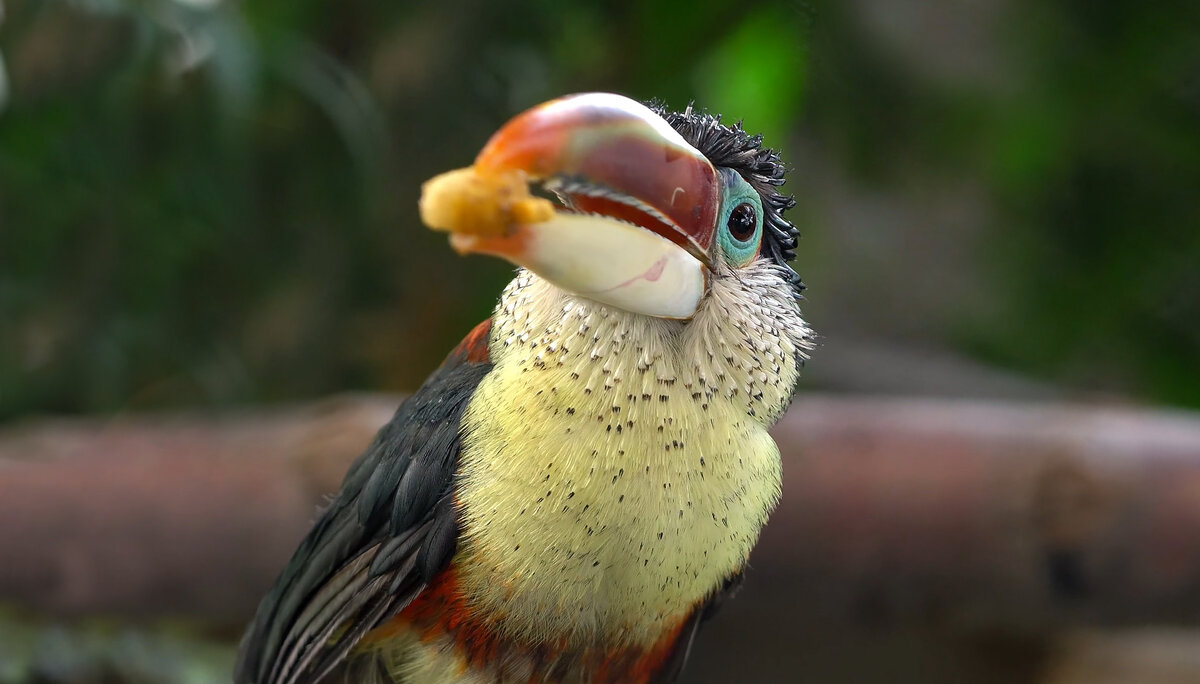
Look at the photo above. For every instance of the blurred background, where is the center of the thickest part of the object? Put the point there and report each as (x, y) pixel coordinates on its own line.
(208, 217)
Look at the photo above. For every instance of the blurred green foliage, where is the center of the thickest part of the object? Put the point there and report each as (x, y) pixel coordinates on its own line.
(104, 651)
(207, 202)
(1097, 165)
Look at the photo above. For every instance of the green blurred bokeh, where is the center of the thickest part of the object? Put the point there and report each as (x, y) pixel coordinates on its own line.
(213, 203)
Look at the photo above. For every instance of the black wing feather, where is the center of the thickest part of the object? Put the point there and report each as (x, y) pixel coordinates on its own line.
(391, 528)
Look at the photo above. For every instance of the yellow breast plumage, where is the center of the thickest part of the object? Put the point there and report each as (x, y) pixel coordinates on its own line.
(607, 488)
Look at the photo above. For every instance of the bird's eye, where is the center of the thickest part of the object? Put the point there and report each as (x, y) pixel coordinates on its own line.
(743, 221)
(741, 231)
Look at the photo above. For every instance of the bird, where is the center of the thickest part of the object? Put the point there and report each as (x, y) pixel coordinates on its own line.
(579, 485)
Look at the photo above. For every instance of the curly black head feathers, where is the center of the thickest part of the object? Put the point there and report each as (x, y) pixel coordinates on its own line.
(734, 148)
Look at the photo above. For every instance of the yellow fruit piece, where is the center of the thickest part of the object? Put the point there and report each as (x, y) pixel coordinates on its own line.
(467, 202)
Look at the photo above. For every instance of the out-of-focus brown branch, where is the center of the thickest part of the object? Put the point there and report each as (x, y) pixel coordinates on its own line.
(182, 514)
(977, 513)
(1003, 515)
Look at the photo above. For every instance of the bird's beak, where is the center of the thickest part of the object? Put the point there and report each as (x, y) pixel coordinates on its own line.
(636, 205)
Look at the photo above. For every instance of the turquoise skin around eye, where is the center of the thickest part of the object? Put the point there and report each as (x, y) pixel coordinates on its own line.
(736, 191)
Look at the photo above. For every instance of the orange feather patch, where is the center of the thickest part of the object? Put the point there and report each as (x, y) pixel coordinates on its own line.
(474, 347)
(442, 611)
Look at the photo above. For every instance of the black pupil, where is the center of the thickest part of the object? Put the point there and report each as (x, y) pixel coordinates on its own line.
(741, 222)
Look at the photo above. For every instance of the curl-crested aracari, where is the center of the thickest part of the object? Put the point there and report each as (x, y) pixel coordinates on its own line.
(581, 482)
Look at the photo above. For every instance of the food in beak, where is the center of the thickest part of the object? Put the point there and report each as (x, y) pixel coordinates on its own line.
(481, 203)
(637, 212)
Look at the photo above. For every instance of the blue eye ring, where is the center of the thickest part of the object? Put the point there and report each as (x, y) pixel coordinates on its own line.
(740, 231)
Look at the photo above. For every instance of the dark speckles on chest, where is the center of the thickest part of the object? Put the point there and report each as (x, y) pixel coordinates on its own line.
(619, 486)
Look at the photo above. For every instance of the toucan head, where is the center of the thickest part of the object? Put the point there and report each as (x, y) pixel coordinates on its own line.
(627, 205)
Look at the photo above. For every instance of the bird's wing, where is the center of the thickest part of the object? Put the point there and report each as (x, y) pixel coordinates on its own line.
(683, 646)
(391, 528)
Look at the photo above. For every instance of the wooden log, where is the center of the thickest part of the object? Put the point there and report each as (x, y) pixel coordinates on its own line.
(168, 515)
(895, 510)
(999, 514)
